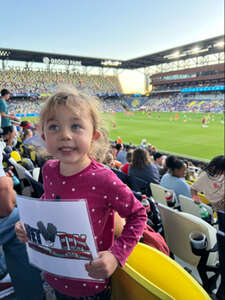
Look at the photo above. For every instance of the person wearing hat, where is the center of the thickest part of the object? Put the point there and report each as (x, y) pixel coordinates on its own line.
(6, 124)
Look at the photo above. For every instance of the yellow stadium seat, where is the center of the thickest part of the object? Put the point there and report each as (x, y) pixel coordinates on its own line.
(150, 274)
(189, 182)
(203, 198)
(16, 156)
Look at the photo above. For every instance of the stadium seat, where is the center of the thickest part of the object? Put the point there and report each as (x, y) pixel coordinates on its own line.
(203, 198)
(159, 193)
(221, 220)
(26, 188)
(36, 186)
(189, 182)
(150, 274)
(221, 249)
(35, 173)
(189, 206)
(177, 228)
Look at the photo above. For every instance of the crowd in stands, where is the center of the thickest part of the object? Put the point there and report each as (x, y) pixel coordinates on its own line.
(44, 82)
(186, 104)
(135, 166)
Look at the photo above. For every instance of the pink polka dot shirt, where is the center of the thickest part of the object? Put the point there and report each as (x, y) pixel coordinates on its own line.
(105, 193)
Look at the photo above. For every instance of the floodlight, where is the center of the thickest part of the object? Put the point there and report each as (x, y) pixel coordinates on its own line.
(195, 50)
(219, 44)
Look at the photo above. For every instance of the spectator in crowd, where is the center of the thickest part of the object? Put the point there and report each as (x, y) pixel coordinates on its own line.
(129, 160)
(26, 279)
(8, 130)
(174, 179)
(143, 144)
(153, 150)
(149, 149)
(121, 154)
(160, 163)
(211, 183)
(109, 161)
(142, 167)
(27, 134)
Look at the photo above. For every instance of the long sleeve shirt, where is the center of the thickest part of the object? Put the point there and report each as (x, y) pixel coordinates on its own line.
(104, 193)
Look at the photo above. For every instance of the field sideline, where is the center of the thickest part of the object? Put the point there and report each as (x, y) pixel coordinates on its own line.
(178, 137)
(170, 136)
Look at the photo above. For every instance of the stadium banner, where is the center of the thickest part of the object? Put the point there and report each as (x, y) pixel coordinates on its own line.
(204, 89)
(60, 234)
(28, 115)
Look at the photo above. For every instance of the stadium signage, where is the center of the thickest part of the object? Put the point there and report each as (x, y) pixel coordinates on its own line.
(60, 61)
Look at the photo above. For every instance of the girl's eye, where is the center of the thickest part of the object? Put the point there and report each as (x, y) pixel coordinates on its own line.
(75, 126)
(53, 127)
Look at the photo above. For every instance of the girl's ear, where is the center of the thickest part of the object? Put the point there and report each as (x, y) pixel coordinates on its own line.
(96, 135)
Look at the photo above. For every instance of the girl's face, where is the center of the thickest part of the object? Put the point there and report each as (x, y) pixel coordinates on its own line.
(68, 138)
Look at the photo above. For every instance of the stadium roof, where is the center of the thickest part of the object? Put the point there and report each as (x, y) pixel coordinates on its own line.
(200, 48)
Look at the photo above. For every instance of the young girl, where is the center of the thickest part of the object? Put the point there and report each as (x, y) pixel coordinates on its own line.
(71, 128)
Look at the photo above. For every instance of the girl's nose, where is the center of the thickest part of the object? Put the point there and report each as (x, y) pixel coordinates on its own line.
(66, 133)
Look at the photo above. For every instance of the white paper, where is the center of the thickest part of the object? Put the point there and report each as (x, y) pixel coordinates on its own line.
(67, 242)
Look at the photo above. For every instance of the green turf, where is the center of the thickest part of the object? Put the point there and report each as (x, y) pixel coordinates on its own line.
(179, 137)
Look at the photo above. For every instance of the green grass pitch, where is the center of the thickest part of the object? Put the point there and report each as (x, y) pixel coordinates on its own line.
(179, 137)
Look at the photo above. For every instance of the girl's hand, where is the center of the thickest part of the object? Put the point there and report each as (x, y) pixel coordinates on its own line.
(21, 232)
(102, 267)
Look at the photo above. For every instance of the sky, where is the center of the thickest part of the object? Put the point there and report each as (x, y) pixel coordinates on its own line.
(118, 29)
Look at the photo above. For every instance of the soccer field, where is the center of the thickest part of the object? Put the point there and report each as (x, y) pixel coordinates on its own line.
(170, 135)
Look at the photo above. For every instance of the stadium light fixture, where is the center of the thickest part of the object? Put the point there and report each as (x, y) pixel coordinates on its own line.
(176, 54)
(219, 44)
(111, 63)
(195, 50)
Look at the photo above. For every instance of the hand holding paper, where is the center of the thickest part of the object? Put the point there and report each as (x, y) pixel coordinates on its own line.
(21, 232)
(102, 267)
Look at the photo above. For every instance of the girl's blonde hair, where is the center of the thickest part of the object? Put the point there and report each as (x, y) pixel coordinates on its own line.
(77, 102)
